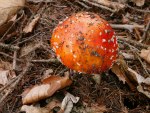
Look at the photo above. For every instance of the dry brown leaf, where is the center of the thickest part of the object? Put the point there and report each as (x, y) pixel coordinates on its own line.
(8, 8)
(47, 109)
(145, 54)
(33, 109)
(29, 28)
(139, 2)
(48, 87)
(6, 75)
(120, 68)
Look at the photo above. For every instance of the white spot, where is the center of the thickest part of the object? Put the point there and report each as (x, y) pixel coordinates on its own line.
(54, 49)
(100, 33)
(107, 24)
(58, 57)
(66, 31)
(73, 21)
(111, 57)
(71, 51)
(71, 42)
(105, 49)
(57, 47)
(103, 40)
(78, 64)
(72, 35)
(61, 27)
(92, 31)
(75, 56)
(109, 50)
(105, 31)
(60, 22)
(112, 50)
(55, 43)
(112, 39)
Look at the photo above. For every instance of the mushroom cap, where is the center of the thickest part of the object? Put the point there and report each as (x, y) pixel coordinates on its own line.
(85, 43)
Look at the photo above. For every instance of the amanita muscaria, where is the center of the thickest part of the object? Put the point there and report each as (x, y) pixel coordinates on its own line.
(85, 42)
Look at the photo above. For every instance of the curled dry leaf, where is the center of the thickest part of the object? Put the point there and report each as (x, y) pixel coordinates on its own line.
(29, 28)
(67, 103)
(139, 2)
(145, 54)
(120, 68)
(144, 87)
(48, 87)
(8, 8)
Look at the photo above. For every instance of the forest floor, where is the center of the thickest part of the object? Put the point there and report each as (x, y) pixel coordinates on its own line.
(29, 56)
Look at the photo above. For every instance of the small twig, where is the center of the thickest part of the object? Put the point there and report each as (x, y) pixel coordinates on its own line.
(139, 10)
(6, 55)
(145, 32)
(14, 60)
(52, 60)
(126, 26)
(15, 83)
(83, 4)
(135, 43)
(8, 46)
(100, 6)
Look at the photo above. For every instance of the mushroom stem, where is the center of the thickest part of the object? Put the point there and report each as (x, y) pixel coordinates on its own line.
(97, 78)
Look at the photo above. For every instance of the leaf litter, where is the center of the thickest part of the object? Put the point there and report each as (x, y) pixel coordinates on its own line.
(112, 95)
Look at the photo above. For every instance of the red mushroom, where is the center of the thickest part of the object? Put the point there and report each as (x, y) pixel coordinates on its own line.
(85, 42)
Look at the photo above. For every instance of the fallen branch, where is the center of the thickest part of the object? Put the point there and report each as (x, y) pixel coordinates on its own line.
(126, 26)
(8, 46)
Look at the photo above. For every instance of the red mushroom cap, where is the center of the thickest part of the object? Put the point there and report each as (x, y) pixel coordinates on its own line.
(85, 42)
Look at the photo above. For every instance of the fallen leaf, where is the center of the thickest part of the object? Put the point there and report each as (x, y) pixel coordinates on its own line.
(145, 54)
(139, 2)
(120, 68)
(144, 87)
(5, 76)
(34, 109)
(6, 26)
(29, 28)
(67, 103)
(8, 8)
(48, 87)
